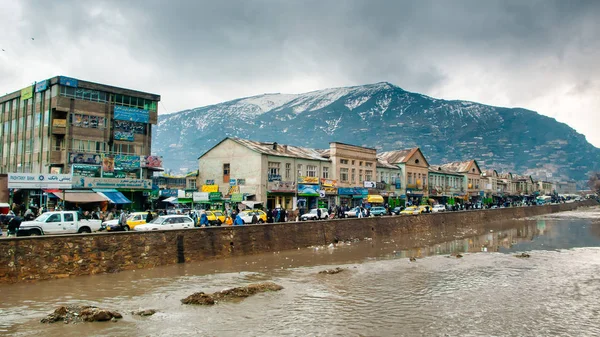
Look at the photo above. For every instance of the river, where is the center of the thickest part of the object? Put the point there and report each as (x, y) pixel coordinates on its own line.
(487, 292)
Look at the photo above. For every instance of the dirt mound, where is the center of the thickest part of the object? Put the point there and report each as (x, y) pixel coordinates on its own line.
(74, 314)
(201, 298)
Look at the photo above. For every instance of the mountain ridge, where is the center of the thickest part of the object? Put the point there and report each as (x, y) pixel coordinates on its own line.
(387, 117)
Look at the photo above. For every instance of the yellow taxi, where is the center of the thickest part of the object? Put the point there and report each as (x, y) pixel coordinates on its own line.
(411, 210)
(214, 216)
(134, 219)
(247, 214)
(425, 208)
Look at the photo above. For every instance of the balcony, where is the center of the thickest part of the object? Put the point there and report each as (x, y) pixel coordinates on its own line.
(59, 126)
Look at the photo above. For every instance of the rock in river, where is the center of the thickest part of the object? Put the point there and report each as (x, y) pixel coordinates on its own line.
(80, 314)
(523, 255)
(147, 312)
(332, 271)
(230, 294)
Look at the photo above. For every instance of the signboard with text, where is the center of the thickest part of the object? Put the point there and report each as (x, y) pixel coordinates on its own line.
(68, 81)
(39, 181)
(41, 86)
(328, 182)
(200, 196)
(152, 161)
(282, 186)
(26, 93)
(308, 180)
(210, 188)
(137, 184)
(125, 113)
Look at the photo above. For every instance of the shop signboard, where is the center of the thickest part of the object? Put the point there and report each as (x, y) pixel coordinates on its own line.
(308, 180)
(274, 177)
(200, 196)
(127, 162)
(369, 184)
(353, 191)
(328, 182)
(232, 182)
(68, 81)
(26, 93)
(124, 135)
(210, 188)
(125, 113)
(84, 170)
(330, 190)
(214, 196)
(308, 190)
(210, 182)
(36, 181)
(282, 186)
(237, 197)
(168, 193)
(41, 86)
(233, 189)
(152, 161)
(134, 184)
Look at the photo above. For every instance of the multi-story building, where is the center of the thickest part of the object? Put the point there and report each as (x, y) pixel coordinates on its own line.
(414, 172)
(445, 184)
(524, 185)
(472, 177)
(506, 185)
(565, 187)
(489, 179)
(545, 187)
(93, 131)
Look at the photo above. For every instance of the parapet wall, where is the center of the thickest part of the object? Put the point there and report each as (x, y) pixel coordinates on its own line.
(47, 257)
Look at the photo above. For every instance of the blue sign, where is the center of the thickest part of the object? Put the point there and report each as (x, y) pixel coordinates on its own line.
(41, 86)
(168, 193)
(232, 182)
(308, 190)
(131, 114)
(124, 135)
(353, 191)
(67, 81)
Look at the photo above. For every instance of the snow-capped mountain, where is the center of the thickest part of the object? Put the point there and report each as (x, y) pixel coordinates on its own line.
(385, 117)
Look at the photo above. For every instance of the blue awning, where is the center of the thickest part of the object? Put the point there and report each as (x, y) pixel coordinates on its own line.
(116, 197)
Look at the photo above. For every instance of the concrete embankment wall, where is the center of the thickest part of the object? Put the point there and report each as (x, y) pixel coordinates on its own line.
(41, 258)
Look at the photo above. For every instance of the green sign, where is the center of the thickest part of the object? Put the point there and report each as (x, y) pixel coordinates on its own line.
(214, 196)
(87, 170)
(237, 197)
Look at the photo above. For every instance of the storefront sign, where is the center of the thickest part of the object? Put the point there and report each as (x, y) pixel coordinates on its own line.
(168, 193)
(68, 81)
(353, 191)
(26, 93)
(83, 170)
(237, 197)
(214, 196)
(200, 196)
(139, 184)
(210, 188)
(330, 190)
(308, 180)
(59, 123)
(210, 182)
(125, 113)
(38, 181)
(233, 189)
(126, 162)
(369, 184)
(328, 182)
(41, 86)
(152, 161)
(282, 186)
(308, 190)
(124, 135)
(232, 182)
(274, 177)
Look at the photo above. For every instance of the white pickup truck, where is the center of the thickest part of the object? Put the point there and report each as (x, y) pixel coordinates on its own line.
(62, 222)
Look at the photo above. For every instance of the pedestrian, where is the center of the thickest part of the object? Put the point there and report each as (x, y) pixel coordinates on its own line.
(123, 219)
(275, 215)
(318, 214)
(228, 220)
(203, 219)
(13, 225)
(254, 218)
(269, 216)
(29, 215)
(150, 217)
(238, 221)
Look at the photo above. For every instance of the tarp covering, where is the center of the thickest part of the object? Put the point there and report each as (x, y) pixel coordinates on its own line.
(375, 199)
(81, 197)
(251, 204)
(172, 200)
(116, 197)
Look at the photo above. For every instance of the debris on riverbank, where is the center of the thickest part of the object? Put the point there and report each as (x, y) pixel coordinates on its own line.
(523, 255)
(201, 298)
(76, 314)
(147, 312)
(332, 271)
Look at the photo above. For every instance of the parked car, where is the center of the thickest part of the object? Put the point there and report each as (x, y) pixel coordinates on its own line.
(425, 208)
(378, 211)
(411, 210)
(61, 222)
(165, 222)
(134, 219)
(215, 217)
(312, 215)
(438, 208)
(397, 210)
(352, 213)
(247, 215)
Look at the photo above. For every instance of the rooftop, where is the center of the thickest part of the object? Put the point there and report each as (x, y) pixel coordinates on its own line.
(439, 169)
(281, 150)
(396, 157)
(457, 166)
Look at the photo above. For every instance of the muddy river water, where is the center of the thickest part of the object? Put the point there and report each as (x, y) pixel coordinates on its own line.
(487, 292)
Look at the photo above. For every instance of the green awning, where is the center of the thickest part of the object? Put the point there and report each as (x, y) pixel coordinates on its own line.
(184, 200)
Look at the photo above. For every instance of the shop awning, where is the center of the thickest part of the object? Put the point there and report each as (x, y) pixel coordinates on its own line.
(116, 197)
(375, 199)
(171, 200)
(81, 197)
(184, 200)
(251, 204)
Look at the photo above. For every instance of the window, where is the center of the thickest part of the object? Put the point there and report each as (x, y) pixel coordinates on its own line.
(68, 216)
(360, 163)
(288, 169)
(344, 174)
(325, 172)
(353, 162)
(226, 171)
(369, 164)
(311, 170)
(368, 175)
(353, 176)
(54, 218)
(344, 161)
(274, 168)
(299, 169)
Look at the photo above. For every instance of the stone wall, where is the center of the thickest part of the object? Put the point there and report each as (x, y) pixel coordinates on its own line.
(40, 258)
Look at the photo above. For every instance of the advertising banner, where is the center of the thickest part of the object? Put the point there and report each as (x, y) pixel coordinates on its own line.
(124, 135)
(68, 81)
(38, 181)
(237, 197)
(308, 180)
(125, 113)
(108, 164)
(233, 189)
(152, 162)
(353, 191)
(330, 190)
(308, 190)
(210, 188)
(41, 86)
(83, 170)
(168, 193)
(328, 182)
(274, 177)
(200, 196)
(85, 158)
(127, 162)
(138, 184)
(26, 93)
(55, 170)
(214, 196)
(125, 126)
(282, 186)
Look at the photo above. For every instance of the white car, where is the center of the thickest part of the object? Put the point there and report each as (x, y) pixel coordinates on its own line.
(165, 222)
(352, 213)
(312, 215)
(59, 222)
(438, 208)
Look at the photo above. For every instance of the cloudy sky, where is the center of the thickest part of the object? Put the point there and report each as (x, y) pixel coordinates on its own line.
(542, 55)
